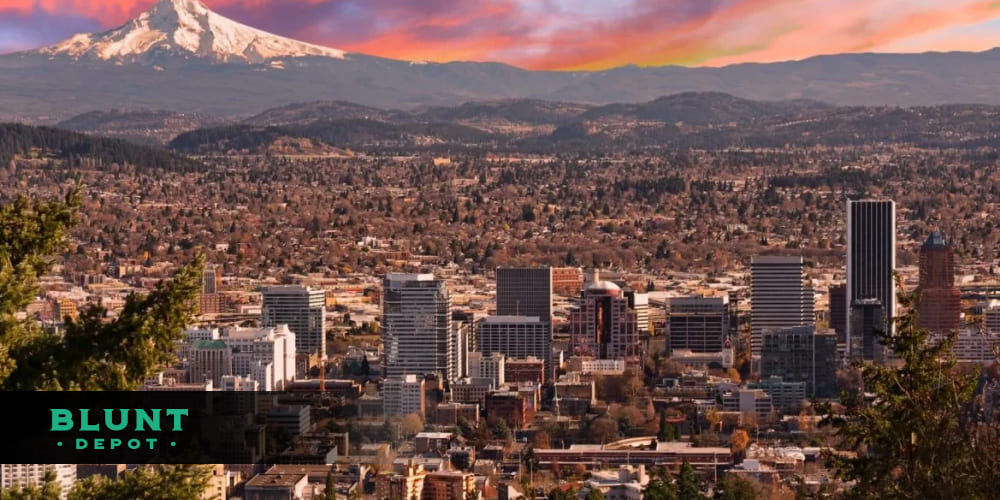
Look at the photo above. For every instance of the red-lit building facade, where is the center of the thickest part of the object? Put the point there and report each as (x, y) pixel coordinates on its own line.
(939, 304)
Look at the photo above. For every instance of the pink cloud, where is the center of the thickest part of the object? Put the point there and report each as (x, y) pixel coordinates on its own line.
(555, 34)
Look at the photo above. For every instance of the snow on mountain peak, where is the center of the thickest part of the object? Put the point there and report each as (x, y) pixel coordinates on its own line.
(185, 27)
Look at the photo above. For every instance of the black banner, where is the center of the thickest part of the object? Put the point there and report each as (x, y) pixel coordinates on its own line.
(159, 427)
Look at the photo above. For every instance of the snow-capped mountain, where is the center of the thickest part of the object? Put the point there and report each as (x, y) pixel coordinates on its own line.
(185, 28)
(182, 57)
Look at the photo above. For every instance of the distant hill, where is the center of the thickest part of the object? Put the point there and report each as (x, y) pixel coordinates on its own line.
(705, 108)
(351, 133)
(683, 121)
(705, 120)
(301, 113)
(23, 141)
(529, 111)
(141, 126)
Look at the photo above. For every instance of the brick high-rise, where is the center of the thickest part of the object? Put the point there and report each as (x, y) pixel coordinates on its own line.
(939, 305)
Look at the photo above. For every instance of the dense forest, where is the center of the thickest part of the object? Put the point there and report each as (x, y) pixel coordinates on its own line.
(22, 141)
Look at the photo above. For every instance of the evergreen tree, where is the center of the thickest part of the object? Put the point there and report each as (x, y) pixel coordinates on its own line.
(330, 491)
(158, 482)
(660, 487)
(94, 353)
(558, 493)
(49, 490)
(734, 489)
(908, 437)
(687, 484)
(667, 430)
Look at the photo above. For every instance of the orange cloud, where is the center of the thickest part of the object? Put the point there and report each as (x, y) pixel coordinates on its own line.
(575, 34)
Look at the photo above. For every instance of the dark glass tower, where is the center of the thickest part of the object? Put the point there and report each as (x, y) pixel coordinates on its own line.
(527, 292)
(871, 257)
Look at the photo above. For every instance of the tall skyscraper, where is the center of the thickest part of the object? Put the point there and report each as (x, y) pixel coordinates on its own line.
(527, 292)
(779, 297)
(871, 257)
(417, 332)
(303, 309)
(603, 326)
(700, 324)
(938, 301)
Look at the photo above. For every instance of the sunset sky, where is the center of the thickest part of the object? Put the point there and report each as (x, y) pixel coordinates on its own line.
(563, 34)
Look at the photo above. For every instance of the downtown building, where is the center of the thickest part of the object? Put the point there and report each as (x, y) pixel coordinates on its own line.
(698, 324)
(28, 475)
(838, 311)
(938, 301)
(262, 355)
(871, 262)
(488, 366)
(516, 337)
(404, 395)
(266, 355)
(779, 298)
(800, 354)
(417, 331)
(603, 326)
(303, 309)
(522, 293)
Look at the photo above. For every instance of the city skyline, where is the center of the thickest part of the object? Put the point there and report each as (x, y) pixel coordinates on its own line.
(631, 249)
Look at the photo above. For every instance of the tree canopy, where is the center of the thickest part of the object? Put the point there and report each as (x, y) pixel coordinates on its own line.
(94, 352)
(912, 427)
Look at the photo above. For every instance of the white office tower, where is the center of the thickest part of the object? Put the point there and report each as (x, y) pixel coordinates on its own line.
(871, 257)
(266, 355)
(491, 366)
(24, 475)
(417, 332)
(779, 298)
(303, 309)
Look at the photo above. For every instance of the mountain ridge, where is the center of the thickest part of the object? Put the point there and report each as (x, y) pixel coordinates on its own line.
(165, 59)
